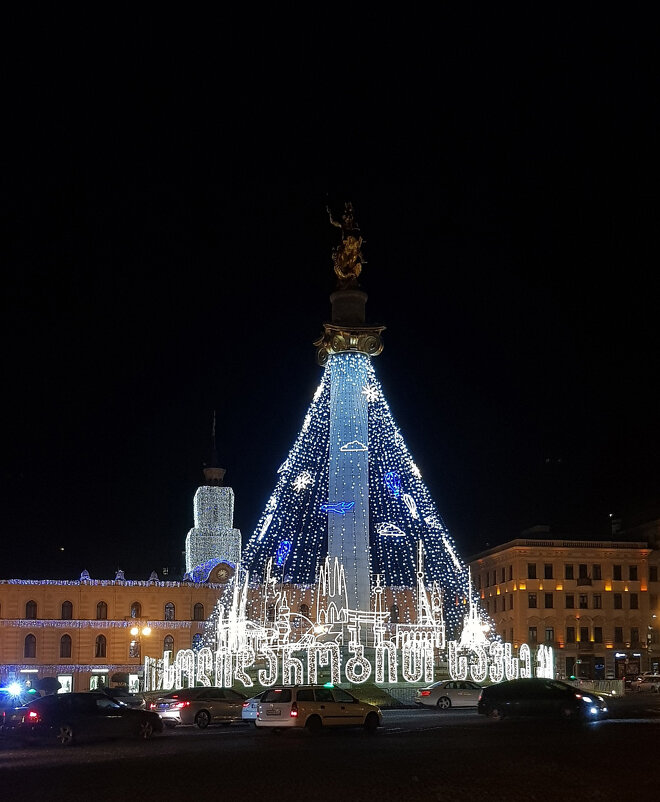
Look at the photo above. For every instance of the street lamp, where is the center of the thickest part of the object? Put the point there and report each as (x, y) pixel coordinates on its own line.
(137, 634)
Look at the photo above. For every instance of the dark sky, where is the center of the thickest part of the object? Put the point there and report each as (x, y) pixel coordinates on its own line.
(167, 254)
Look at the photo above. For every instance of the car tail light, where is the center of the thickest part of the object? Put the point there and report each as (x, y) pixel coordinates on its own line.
(294, 710)
(179, 705)
(246, 704)
(152, 706)
(425, 693)
(32, 716)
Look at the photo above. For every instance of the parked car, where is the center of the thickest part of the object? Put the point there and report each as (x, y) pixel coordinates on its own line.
(540, 697)
(449, 693)
(70, 717)
(315, 707)
(201, 706)
(250, 707)
(125, 697)
(648, 683)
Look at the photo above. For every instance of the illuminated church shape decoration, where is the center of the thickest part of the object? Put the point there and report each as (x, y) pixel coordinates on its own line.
(213, 545)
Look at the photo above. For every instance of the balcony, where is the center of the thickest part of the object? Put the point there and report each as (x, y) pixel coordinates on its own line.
(584, 580)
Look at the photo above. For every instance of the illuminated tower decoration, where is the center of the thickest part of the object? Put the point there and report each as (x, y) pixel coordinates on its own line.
(349, 488)
(213, 546)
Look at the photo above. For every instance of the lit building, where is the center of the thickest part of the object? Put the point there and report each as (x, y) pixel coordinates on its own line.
(81, 631)
(596, 603)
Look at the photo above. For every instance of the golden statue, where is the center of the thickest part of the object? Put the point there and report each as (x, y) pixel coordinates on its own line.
(347, 256)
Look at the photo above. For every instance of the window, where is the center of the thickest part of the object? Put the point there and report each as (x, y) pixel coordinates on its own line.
(547, 571)
(169, 611)
(584, 601)
(582, 571)
(168, 644)
(394, 614)
(304, 610)
(531, 570)
(618, 601)
(616, 572)
(549, 634)
(478, 584)
(570, 601)
(634, 634)
(136, 610)
(511, 601)
(597, 573)
(494, 577)
(67, 611)
(270, 612)
(549, 600)
(31, 609)
(511, 572)
(100, 646)
(598, 634)
(618, 634)
(30, 646)
(570, 634)
(503, 575)
(632, 571)
(134, 648)
(653, 573)
(568, 572)
(598, 601)
(198, 612)
(531, 635)
(531, 600)
(101, 611)
(65, 646)
(634, 601)
(584, 634)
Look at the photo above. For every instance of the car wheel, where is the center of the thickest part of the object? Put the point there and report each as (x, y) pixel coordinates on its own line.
(444, 703)
(496, 713)
(170, 724)
(145, 730)
(371, 723)
(314, 725)
(65, 735)
(203, 719)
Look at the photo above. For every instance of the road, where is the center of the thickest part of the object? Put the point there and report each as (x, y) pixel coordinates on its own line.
(418, 756)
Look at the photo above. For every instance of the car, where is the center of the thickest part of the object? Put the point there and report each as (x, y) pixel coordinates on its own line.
(315, 707)
(647, 683)
(449, 693)
(125, 697)
(250, 707)
(536, 696)
(201, 705)
(71, 717)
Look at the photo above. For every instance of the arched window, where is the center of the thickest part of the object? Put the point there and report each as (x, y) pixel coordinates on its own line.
(394, 614)
(31, 609)
(168, 644)
(198, 612)
(101, 611)
(136, 610)
(304, 610)
(30, 647)
(67, 610)
(169, 611)
(65, 646)
(270, 613)
(100, 646)
(197, 642)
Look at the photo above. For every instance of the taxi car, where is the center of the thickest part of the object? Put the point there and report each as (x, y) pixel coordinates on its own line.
(314, 707)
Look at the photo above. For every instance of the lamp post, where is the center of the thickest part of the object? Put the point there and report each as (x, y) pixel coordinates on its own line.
(135, 648)
(137, 633)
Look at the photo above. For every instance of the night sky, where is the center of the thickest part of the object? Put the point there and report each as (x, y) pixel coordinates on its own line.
(167, 253)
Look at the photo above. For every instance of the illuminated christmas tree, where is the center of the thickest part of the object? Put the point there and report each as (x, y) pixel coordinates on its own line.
(349, 487)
